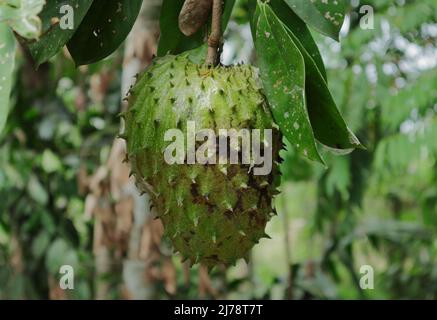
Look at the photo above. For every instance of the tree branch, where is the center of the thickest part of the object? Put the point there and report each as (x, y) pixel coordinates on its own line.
(216, 33)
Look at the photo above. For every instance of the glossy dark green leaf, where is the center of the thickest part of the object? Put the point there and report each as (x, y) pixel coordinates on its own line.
(227, 11)
(254, 13)
(172, 40)
(301, 31)
(7, 59)
(326, 16)
(105, 26)
(328, 124)
(53, 37)
(283, 74)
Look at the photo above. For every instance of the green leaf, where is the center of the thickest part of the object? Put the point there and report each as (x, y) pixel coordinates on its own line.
(293, 167)
(326, 16)
(105, 26)
(338, 177)
(53, 37)
(328, 124)
(300, 30)
(22, 16)
(227, 12)
(58, 254)
(283, 74)
(50, 162)
(7, 59)
(172, 40)
(396, 108)
(36, 191)
(254, 17)
(40, 244)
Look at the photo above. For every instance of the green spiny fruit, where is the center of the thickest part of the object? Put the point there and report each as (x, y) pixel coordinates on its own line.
(213, 213)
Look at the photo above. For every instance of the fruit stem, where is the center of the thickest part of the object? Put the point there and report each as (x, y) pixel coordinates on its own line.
(214, 39)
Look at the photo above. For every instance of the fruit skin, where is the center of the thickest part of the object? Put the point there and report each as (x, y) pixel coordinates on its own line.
(213, 214)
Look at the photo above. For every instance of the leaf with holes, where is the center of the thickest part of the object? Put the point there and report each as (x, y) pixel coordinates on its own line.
(283, 74)
(326, 16)
(105, 26)
(328, 124)
(300, 30)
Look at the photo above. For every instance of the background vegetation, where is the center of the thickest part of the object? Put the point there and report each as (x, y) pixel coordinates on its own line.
(66, 199)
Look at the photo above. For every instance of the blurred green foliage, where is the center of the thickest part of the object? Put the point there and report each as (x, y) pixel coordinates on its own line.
(47, 139)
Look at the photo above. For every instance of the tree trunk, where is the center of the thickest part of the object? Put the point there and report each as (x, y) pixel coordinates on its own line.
(126, 239)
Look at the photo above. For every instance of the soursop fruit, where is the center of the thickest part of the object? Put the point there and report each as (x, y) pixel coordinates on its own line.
(213, 213)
